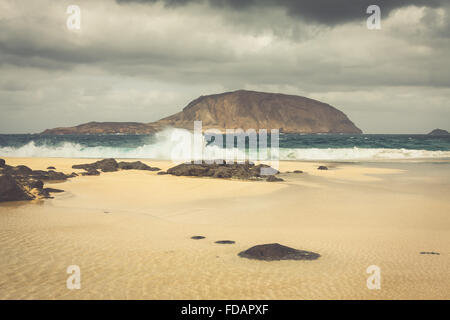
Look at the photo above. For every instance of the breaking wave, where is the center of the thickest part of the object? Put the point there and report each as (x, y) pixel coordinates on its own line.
(174, 144)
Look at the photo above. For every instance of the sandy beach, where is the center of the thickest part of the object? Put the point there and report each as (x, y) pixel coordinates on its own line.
(129, 232)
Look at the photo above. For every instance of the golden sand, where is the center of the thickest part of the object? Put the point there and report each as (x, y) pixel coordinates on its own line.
(129, 232)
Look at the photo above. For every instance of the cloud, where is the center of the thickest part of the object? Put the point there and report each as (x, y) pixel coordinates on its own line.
(329, 12)
(143, 61)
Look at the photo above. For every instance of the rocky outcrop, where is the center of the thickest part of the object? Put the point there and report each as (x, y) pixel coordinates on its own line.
(111, 165)
(11, 190)
(22, 183)
(106, 165)
(239, 109)
(276, 251)
(439, 132)
(136, 165)
(245, 171)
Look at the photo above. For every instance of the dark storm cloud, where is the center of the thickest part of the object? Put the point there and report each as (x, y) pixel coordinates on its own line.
(328, 12)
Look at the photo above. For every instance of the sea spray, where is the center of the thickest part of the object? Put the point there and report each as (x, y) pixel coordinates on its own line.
(292, 146)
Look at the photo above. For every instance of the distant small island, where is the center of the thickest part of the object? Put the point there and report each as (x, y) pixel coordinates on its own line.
(239, 109)
(439, 132)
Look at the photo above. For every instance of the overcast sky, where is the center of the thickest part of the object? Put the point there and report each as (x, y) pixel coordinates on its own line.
(143, 60)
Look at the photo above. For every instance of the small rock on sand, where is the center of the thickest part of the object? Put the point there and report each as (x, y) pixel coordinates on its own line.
(197, 237)
(322, 168)
(276, 251)
(225, 242)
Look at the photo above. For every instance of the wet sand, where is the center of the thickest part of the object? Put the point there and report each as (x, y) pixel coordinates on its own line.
(129, 232)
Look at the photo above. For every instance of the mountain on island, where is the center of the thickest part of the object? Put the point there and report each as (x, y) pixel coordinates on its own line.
(439, 132)
(239, 109)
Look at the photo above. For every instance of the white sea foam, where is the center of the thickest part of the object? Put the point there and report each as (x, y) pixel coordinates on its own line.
(343, 154)
(169, 144)
(165, 144)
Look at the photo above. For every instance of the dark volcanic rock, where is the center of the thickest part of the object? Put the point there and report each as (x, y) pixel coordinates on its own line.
(322, 168)
(137, 165)
(28, 183)
(45, 193)
(48, 175)
(91, 172)
(223, 173)
(51, 168)
(11, 190)
(431, 252)
(162, 173)
(2, 163)
(20, 171)
(276, 251)
(197, 237)
(273, 179)
(106, 165)
(111, 165)
(246, 170)
(23, 173)
(298, 171)
(33, 183)
(53, 190)
(225, 242)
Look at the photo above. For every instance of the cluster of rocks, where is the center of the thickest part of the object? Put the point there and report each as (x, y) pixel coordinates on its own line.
(270, 252)
(244, 171)
(111, 165)
(22, 183)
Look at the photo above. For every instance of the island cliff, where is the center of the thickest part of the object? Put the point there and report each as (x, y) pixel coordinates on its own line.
(239, 109)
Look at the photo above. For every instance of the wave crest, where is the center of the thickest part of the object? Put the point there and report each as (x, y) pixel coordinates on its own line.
(165, 145)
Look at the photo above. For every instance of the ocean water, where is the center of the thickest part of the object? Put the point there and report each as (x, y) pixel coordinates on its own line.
(162, 145)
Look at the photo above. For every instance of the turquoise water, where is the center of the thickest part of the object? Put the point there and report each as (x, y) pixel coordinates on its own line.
(339, 147)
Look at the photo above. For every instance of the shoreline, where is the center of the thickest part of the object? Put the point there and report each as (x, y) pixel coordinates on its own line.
(129, 231)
